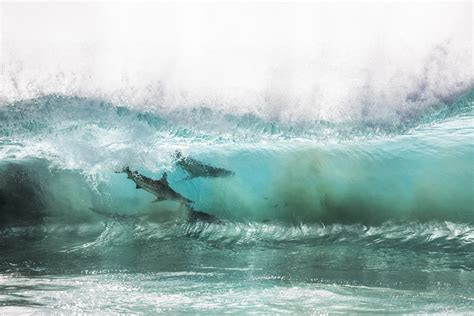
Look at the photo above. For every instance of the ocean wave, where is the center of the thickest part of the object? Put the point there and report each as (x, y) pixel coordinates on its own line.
(58, 157)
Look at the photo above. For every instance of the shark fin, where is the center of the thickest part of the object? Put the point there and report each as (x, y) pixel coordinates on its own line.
(164, 178)
(159, 199)
(138, 187)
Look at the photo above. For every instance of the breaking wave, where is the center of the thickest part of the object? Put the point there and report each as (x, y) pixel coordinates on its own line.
(59, 154)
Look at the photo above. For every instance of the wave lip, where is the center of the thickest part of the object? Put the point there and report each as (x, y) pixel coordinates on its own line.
(62, 113)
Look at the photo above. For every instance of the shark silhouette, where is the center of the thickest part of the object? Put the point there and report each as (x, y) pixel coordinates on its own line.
(195, 168)
(160, 188)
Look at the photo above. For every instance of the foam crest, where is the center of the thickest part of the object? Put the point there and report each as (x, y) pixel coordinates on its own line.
(281, 62)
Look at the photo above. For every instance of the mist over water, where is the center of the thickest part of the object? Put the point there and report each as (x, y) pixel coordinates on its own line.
(347, 128)
(285, 62)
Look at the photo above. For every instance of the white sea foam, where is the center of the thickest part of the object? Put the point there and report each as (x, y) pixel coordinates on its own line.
(286, 62)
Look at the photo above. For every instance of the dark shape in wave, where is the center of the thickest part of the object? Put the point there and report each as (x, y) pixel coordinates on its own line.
(21, 196)
(196, 168)
(160, 188)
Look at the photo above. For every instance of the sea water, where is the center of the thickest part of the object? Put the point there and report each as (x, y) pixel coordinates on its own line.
(373, 221)
(348, 129)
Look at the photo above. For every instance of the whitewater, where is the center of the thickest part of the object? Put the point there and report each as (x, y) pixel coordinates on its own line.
(348, 136)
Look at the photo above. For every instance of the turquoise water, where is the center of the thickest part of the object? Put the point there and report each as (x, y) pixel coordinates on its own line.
(320, 216)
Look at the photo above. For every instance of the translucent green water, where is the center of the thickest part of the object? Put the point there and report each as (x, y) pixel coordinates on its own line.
(318, 217)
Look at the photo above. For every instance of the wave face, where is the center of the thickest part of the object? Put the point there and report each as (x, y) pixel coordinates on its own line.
(62, 153)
